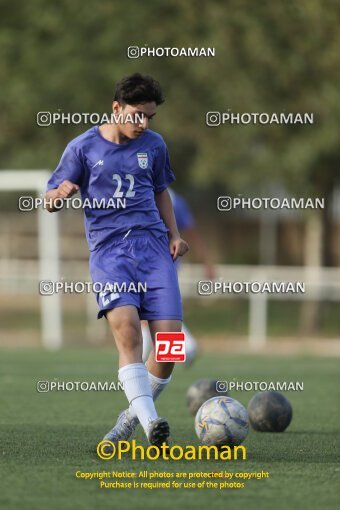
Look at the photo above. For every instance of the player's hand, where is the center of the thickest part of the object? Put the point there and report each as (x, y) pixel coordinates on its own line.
(178, 247)
(67, 189)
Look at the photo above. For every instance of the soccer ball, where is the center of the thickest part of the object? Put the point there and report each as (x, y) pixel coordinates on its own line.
(270, 411)
(200, 391)
(221, 421)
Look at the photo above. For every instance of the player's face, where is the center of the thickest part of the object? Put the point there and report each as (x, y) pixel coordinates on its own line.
(136, 118)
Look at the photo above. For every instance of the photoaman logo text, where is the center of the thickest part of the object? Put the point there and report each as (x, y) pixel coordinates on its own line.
(108, 450)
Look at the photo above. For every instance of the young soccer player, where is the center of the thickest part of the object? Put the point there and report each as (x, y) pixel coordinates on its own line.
(135, 241)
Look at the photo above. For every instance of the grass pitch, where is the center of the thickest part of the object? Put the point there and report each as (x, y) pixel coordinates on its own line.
(47, 437)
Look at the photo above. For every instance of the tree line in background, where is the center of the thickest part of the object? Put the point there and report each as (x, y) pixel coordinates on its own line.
(270, 57)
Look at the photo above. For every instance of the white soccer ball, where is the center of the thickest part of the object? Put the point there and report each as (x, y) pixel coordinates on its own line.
(221, 421)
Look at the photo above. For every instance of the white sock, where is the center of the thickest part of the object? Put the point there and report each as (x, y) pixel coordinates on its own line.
(147, 342)
(157, 386)
(135, 380)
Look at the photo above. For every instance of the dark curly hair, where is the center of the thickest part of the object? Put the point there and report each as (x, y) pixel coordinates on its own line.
(138, 89)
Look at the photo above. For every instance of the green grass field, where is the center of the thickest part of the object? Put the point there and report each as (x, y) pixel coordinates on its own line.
(47, 437)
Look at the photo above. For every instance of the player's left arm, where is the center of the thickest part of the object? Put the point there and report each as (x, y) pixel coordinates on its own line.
(177, 245)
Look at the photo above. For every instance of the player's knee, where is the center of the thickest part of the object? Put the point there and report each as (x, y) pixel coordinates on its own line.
(127, 335)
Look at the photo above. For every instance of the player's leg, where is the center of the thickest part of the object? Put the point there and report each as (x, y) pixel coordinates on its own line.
(147, 340)
(161, 370)
(125, 326)
(190, 345)
(161, 305)
(161, 302)
(159, 373)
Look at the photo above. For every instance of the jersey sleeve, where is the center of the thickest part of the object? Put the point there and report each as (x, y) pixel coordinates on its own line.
(163, 175)
(70, 168)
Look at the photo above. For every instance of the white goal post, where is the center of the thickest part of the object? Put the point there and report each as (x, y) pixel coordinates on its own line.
(48, 246)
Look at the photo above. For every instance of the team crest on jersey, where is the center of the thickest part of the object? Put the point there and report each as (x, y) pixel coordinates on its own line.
(142, 159)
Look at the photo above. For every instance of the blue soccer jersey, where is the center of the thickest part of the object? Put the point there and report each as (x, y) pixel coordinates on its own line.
(117, 182)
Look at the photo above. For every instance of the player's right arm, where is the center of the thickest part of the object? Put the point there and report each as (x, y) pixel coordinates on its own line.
(54, 197)
(65, 180)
